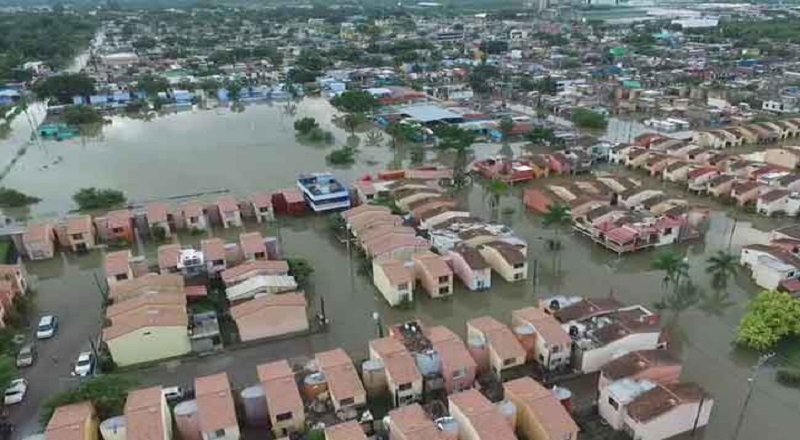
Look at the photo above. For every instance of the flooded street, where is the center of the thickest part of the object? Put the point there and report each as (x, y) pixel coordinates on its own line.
(199, 151)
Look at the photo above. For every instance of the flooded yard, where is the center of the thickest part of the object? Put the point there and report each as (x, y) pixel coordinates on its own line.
(199, 151)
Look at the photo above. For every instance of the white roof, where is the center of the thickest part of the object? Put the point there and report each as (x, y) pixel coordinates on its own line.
(625, 390)
(261, 284)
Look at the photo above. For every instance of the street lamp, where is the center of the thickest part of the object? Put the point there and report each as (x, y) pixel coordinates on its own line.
(751, 381)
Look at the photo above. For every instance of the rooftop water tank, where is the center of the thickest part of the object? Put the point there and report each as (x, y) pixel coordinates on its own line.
(314, 385)
(187, 420)
(448, 427)
(509, 411)
(113, 428)
(255, 406)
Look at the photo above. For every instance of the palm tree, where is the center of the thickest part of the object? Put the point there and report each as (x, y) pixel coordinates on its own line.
(399, 133)
(721, 266)
(496, 190)
(351, 121)
(557, 216)
(459, 141)
(673, 264)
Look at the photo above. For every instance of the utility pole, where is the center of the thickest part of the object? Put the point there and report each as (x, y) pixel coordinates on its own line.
(750, 385)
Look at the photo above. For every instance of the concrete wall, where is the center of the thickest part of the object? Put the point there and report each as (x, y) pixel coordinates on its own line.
(593, 360)
(149, 344)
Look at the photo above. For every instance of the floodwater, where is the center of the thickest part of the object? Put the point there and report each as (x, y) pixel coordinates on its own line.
(198, 151)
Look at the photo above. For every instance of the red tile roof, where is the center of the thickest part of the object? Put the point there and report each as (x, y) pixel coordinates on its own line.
(215, 407)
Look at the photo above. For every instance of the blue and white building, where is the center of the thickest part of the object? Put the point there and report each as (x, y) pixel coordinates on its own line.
(323, 192)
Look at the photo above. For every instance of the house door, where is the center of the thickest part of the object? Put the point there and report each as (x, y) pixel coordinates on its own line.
(80, 247)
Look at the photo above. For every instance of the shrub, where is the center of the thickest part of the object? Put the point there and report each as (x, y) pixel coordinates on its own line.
(94, 198)
(789, 377)
(305, 125)
(107, 394)
(342, 156)
(300, 269)
(159, 233)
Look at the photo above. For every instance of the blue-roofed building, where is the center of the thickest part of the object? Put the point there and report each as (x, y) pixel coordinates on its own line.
(9, 96)
(78, 100)
(223, 94)
(121, 97)
(430, 113)
(101, 99)
(182, 96)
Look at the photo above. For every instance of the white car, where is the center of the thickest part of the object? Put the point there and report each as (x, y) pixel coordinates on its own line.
(85, 364)
(47, 327)
(16, 391)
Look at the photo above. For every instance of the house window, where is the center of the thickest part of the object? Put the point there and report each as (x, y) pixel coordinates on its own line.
(444, 290)
(460, 373)
(219, 433)
(517, 276)
(444, 279)
(192, 219)
(121, 276)
(555, 349)
(284, 416)
(263, 209)
(116, 230)
(613, 403)
(404, 386)
(402, 286)
(668, 231)
(218, 262)
(77, 236)
(519, 265)
(509, 361)
(260, 255)
(348, 401)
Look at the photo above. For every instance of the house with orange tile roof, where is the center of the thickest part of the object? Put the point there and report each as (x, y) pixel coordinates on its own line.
(658, 366)
(508, 260)
(284, 405)
(117, 266)
(39, 241)
(193, 215)
(395, 280)
(355, 211)
(433, 273)
(216, 412)
(540, 416)
(552, 343)
(119, 226)
(158, 217)
(148, 319)
(402, 375)
(253, 246)
(214, 254)
(458, 367)
(505, 351)
(147, 416)
(168, 257)
(229, 213)
(77, 421)
(399, 247)
(262, 206)
(81, 233)
(470, 266)
(271, 315)
(344, 385)
(345, 431)
(253, 268)
(411, 423)
(478, 418)
(654, 411)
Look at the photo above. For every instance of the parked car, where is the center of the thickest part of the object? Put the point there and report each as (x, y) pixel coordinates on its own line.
(47, 327)
(26, 355)
(84, 366)
(16, 391)
(174, 394)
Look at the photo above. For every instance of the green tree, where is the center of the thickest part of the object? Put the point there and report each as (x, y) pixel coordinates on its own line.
(496, 190)
(8, 370)
(152, 84)
(459, 141)
(400, 133)
(63, 87)
(342, 156)
(305, 125)
(721, 266)
(673, 264)
(481, 77)
(585, 118)
(82, 115)
(301, 269)
(351, 121)
(506, 127)
(540, 135)
(93, 198)
(107, 394)
(11, 198)
(770, 317)
(355, 101)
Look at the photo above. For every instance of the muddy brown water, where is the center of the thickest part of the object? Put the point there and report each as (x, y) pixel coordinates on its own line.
(254, 150)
